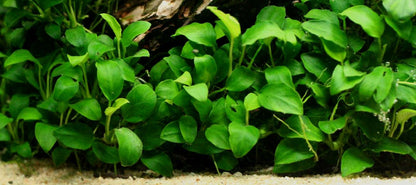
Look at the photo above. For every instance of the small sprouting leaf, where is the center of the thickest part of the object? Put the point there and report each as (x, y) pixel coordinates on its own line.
(109, 78)
(188, 127)
(90, 108)
(172, 133)
(242, 138)
(78, 60)
(185, 78)
(231, 23)
(4, 120)
(130, 146)
(65, 89)
(241, 79)
(329, 127)
(104, 153)
(19, 56)
(198, 91)
(60, 155)
(219, 136)
(199, 33)
(281, 98)
(117, 105)
(279, 74)
(167, 89)
(115, 26)
(369, 20)
(76, 36)
(132, 31)
(142, 104)
(159, 163)
(353, 161)
(303, 127)
(44, 135)
(291, 151)
(400, 10)
(75, 135)
(29, 114)
(391, 145)
(205, 69)
(251, 102)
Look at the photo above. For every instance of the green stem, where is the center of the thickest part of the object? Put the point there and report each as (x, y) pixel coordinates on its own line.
(406, 83)
(67, 116)
(216, 165)
(115, 169)
(243, 53)
(107, 123)
(87, 89)
(217, 91)
(254, 57)
(42, 92)
(72, 16)
(230, 58)
(61, 119)
(247, 117)
(77, 159)
(271, 54)
(118, 48)
(11, 131)
(42, 14)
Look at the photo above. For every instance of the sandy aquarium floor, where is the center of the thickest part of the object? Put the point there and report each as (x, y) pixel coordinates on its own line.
(43, 172)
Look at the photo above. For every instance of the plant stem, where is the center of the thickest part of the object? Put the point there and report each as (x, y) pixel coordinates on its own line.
(230, 58)
(216, 165)
(254, 57)
(72, 16)
(271, 54)
(115, 169)
(247, 117)
(67, 116)
(217, 91)
(42, 93)
(87, 89)
(77, 159)
(240, 61)
(118, 48)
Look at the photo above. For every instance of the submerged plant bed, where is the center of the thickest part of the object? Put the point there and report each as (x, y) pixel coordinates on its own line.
(332, 90)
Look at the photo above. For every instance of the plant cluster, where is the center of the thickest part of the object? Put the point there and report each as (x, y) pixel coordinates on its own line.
(341, 82)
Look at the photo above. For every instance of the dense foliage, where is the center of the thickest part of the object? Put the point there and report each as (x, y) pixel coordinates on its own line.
(338, 81)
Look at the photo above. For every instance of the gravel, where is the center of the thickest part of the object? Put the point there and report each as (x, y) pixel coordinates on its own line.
(43, 172)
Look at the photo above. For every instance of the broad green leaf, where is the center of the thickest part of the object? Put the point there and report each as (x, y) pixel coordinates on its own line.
(328, 31)
(17, 103)
(370, 125)
(331, 126)
(60, 155)
(291, 151)
(406, 93)
(242, 138)
(177, 64)
(98, 48)
(241, 79)
(149, 133)
(400, 9)
(353, 161)
(391, 145)
(294, 167)
(183, 99)
(221, 58)
(68, 70)
(132, 31)
(109, 78)
(191, 49)
(369, 20)
(167, 89)
(235, 110)
(370, 82)
(78, 60)
(188, 127)
(89, 108)
(281, 98)
(198, 91)
(403, 29)
(251, 102)
(22, 149)
(172, 133)
(142, 104)
(323, 15)
(403, 115)
(53, 30)
(44, 135)
(19, 56)
(205, 69)
(303, 127)
(129, 146)
(218, 135)
(115, 26)
(159, 163)
(29, 114)
(341, 82)
(273, 14)
(76, 36)
(202, 146)
(127, 72)
(45, 4)
(199, 33)
(231, 23)
(4, 120)
(262, 30)
(141, 53)
(75, 135)
(203, 108)
(218, 113)
(65, 89)
(279, 75)
(316, 65)
(5, 135)
(336, 52)
(340, 5)
(117, 105)
(185, 78)
(104, 153)
(225, 160)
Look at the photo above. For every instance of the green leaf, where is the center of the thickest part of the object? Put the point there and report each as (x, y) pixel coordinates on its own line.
(323, 15)
(370, 83)
(251, 102)
(328, 31)
(132, 31)
(45, 4)
(406, 93)
(400, 10)
(341, 82)
(4, 120)
(242, 138)
(177, 64)
(65, 89)
(241, 79)
(44, 135)
(142, 104)
(89, 108)
(316, 65)
(29, 114)
(370, 125)
(281, 98)
(340, 5)
(172, 133)
(403, 115)
(185, 78)
(218, 113)
(336, 52)
(202, 146)
(218, 135)
(391, 145)
(127, 72)
(117, 105)
(104, 153)
(235, 110)
(130, 146)
(76, 36)
(331, 126)
(291, 151)
(294, 167)
(273, 14)
(278, 75)
(188, 127)
(78, 60)
(262, 30)
(303, 127)
(23, 149)
(115, 26)
(205, 69)
(231, 23)
(167, 89)
(203, 108)
(225, 160)
(159, 163)
(5, 135)
(199, 33)
(353, 161)
(60, 155)
(369, 20)
(75, 135)
(198, 91)
(149, 133)
(109, 78)
(53, 30)
(98, 48)
(19, 56)
(17, 104)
